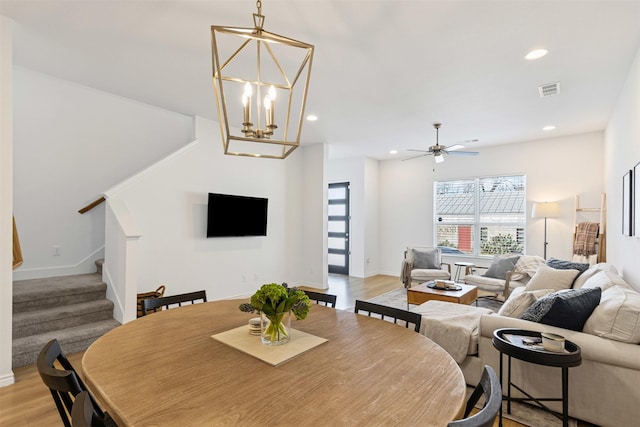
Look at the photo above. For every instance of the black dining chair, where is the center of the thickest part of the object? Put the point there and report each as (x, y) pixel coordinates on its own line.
(152, 305)
(489, 385)
(85, 414)
(320, 297)
(64, 384)
(391, 312)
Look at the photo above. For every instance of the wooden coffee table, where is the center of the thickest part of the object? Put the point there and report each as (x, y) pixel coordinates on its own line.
(421, 294)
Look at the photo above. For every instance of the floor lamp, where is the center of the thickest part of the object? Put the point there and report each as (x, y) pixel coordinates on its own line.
(545, 210)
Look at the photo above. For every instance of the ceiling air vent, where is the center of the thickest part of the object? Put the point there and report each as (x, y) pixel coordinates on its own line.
(549, 89)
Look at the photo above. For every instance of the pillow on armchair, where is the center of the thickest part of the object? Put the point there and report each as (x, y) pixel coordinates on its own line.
(428, 258)
(500, 265)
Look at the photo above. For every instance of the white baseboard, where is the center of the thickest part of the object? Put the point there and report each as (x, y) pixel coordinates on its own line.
(85, 266)
(6, 380)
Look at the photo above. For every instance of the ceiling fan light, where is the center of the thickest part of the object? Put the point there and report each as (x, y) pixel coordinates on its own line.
(439, 158)
(536, 54)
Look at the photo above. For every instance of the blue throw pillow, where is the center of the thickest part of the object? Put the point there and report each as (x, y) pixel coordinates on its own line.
(566, 309)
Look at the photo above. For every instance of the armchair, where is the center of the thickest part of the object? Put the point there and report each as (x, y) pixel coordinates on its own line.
(422, 264)
(504, 274)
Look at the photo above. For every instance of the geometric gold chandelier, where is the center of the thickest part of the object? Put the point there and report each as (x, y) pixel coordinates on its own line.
(261, 81)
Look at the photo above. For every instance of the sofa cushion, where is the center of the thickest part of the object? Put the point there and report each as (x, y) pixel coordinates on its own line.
(428, 258)
(559, 264)
(568, 309)
(500, 265)
(550, 278)
(519, 301)
(604, 280)
(592, 271)
(617, 317)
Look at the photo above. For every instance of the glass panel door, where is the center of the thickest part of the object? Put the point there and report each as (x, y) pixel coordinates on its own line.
(338, 239)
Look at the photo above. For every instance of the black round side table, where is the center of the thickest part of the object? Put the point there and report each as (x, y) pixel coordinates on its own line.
(509, 341)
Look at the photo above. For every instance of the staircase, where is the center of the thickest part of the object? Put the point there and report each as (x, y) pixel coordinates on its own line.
(73, 309)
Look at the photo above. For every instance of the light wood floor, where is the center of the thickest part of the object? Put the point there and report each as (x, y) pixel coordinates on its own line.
(29, 403)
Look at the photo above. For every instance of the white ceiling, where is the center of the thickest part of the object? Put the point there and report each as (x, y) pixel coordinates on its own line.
(383, 71)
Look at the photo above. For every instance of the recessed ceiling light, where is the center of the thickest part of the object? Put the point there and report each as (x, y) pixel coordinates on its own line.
(548, 128)
(312, 118)
(393, 152)
(536, 54)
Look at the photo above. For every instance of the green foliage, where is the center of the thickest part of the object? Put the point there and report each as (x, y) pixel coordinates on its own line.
(501, 244)
(448, 244)
(274, 299)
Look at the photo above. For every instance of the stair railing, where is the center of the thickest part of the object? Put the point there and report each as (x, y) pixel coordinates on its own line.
(92, 205)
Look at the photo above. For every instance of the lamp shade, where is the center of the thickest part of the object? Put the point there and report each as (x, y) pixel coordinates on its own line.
(545, 210)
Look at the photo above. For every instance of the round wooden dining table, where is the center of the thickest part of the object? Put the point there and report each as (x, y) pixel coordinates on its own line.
(165, 369)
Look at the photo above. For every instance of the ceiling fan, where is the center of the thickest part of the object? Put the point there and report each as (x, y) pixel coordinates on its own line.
(438, 151)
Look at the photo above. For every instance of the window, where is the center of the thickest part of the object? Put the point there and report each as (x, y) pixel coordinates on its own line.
(481, 216)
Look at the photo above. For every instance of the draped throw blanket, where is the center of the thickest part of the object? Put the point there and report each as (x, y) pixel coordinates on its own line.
(17, 251)
(585, 241)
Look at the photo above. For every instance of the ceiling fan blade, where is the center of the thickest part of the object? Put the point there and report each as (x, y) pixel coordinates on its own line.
(422, 151)
(464, 153)
(454, 147)
(415, 157)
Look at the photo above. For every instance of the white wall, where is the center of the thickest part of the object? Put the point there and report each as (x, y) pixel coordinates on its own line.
(371, 261)
(622, 153)
(556, 169)
(314, 213)
(169, 205)
(71, 144)
(6, 201)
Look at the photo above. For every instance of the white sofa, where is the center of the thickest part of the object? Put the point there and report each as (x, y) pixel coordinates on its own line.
(605, 388)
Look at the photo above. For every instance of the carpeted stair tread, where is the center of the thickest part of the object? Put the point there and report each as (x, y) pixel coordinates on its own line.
(66, 316)
(73, 309)
(78, 338)
(36, 294)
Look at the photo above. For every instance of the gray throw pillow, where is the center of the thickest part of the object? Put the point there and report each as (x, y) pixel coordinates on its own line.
(568, 309)
(426, 258)
(500, 265)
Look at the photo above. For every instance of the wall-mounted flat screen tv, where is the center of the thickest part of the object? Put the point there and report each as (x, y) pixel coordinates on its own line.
(232, 216)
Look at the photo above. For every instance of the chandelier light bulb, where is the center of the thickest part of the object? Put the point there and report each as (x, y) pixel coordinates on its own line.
(246, 104)
(248, 90)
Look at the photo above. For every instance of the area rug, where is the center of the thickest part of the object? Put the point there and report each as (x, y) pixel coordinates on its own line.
(398, 298)
(529, 415)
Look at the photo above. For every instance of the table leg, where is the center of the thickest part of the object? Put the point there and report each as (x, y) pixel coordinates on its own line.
(509, 386)
(501, 388)
(565, 397)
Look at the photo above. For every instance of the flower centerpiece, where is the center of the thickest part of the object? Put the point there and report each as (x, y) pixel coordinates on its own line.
(275, 303)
